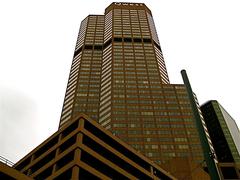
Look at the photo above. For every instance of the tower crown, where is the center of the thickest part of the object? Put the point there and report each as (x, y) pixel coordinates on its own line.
(127, 5)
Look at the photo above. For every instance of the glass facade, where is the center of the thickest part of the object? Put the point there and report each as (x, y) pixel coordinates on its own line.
(225, 137)
(220, 123)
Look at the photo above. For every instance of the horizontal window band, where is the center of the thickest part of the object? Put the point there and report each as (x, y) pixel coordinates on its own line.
(116, 39)
(78, 51)
(157, 46)
(106, 44)
(98, 47)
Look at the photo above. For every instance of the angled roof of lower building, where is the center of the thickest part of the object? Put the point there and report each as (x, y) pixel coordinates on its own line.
(84, 149)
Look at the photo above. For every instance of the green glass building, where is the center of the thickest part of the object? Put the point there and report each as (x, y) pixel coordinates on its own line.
(225, 137)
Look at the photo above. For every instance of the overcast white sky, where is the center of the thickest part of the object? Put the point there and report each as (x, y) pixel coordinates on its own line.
(37, 41)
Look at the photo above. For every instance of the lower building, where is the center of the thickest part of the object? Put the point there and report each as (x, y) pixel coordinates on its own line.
(225, 137)
(83, 149)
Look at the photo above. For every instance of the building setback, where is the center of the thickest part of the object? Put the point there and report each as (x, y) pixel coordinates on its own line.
(225, 137)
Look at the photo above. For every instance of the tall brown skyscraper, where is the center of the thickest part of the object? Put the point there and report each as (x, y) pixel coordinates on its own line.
(118, 77)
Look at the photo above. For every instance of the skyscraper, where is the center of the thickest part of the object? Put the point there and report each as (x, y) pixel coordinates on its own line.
(111, 51)
(225, 137)
(119, 78)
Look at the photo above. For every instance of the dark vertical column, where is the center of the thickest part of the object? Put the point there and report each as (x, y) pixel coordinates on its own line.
(213, 172)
